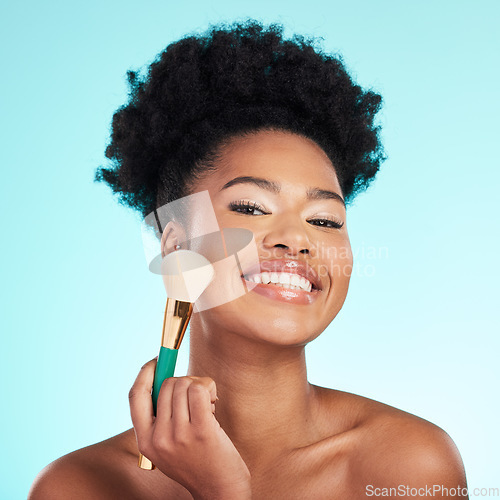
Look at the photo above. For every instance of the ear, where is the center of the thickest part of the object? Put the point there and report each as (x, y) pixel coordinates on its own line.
(173, 235)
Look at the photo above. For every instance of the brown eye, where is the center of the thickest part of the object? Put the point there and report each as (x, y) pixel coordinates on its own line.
(329, 223)
(245, 207)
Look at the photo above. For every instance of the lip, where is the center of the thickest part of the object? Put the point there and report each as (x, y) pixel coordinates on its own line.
(284, 294)
(288, 266)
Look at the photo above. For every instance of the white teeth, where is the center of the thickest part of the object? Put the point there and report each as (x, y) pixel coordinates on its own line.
(265, 277)
(284, 280)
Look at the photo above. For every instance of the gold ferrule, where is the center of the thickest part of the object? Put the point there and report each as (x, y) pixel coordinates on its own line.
(145, 463)
(175, 322)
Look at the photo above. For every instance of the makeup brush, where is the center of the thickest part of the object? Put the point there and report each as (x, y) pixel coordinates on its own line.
(186, 274)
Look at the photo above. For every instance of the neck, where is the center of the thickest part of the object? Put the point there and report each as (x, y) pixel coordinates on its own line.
(266, 405)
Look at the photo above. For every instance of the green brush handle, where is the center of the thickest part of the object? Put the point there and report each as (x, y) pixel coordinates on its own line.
(165, 367)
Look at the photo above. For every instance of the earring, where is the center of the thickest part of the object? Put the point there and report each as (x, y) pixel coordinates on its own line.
(177, 247)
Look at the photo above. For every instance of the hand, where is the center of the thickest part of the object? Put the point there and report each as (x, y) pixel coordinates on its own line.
(184, 440)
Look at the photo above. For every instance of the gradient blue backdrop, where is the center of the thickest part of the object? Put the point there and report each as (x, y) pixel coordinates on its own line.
(80, 311)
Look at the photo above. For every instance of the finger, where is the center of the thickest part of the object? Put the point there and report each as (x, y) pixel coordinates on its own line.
(180, 406)
(200, 406)
(163, 429)
(210, 385)
(164, 407)
(141, 404)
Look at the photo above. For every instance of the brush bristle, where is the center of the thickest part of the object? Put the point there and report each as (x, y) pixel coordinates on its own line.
(186, 274)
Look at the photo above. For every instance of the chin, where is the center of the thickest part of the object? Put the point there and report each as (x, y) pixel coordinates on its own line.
(279, 331)
(282, 325)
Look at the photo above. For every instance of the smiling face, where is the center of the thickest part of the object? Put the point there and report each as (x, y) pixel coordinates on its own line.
(283, 188)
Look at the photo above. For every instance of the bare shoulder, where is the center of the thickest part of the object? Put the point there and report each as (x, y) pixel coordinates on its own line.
(91, 472)
(103, 471)
(408, 450)
(389, 447)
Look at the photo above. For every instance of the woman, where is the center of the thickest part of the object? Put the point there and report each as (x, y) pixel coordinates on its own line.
(283, 140)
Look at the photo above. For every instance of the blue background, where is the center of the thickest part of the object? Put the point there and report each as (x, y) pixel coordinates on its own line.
(80, 311)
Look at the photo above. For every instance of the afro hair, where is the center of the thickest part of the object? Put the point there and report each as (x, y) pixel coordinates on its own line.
(235, 79)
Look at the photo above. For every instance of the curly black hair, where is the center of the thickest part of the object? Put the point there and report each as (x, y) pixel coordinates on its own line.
(236, 79)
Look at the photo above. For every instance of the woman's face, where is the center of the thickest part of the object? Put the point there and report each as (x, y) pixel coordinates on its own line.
(289, 228)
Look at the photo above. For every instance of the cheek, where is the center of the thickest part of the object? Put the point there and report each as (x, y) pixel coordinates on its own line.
(340, 261)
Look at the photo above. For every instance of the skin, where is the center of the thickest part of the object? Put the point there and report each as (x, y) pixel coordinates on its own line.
(270, 433)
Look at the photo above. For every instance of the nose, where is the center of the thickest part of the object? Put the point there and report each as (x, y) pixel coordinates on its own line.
(290, 236)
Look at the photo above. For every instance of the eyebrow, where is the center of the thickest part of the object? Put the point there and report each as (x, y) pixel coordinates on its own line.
(274, 187)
